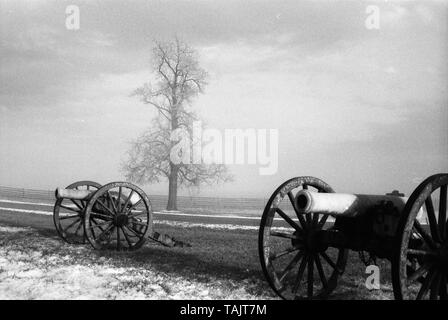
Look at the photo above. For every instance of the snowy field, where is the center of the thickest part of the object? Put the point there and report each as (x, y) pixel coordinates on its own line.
(33, 266)
(221, 264)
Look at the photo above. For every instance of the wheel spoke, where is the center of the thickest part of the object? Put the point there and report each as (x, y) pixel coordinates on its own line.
(320, 270)
(283, 235)
(126, 237)
(330, 262)
(105, 207)
(136, 232)
(315, 219)
(101, 216)
(432, 219)
(118, 239)
(118, 199)
(95, 222)
(426, 237)
(421, 252)
(134, 206)
(282, 253)
(136, 214)
(442, 212)
(299, 215)
(71, 209)
(322, 221)
(112, 201)
(425, 286)
(300, 275)
(419, 272)
(109, 228)
(99, 225)
(310, 276)
(288, 219)
(308, 218)
(435, 285)
(76, 204)
(78, 227)
(93, 232)
(140, 223)
(71, 225)
(128, 199)
(69, 217)
(291, 265)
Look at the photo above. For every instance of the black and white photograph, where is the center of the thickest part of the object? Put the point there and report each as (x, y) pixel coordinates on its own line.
(244, 152)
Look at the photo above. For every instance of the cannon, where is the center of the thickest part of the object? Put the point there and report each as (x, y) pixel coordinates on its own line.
(116, 216)
(307, 230)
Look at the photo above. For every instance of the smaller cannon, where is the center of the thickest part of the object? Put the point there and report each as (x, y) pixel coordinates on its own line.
(307, 230)
(117, 215)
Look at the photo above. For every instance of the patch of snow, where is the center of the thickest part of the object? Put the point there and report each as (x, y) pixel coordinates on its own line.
(184, 224)
(13, 229)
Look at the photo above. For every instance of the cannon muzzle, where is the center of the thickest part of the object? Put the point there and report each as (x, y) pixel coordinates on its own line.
(344, 204)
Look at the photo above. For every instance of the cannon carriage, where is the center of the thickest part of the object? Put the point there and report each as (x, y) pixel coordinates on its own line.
(307, 230)
(116, 216)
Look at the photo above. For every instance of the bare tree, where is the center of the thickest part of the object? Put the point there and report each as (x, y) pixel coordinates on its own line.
(179, 79)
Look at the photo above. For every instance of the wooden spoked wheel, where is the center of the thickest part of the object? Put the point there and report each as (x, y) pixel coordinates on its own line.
(420, 265)
(295, 264)
(118, 216)
(68, 215)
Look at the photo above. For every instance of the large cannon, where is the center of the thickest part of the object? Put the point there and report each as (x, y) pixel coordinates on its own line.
(117, 215)
(307, 229)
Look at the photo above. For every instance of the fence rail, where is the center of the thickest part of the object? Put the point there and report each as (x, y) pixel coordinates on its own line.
(158, 201)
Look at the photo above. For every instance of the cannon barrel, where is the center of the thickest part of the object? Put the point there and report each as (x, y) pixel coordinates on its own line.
(62, 193)
(343, 204)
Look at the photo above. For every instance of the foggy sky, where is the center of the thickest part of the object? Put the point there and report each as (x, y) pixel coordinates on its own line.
(365, 110)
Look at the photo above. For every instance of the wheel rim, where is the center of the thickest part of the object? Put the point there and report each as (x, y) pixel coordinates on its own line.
(118, 217)
(68, 214)
(420, 268)
(294, 263)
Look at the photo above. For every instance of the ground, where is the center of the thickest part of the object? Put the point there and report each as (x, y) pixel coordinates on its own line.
(221, 264)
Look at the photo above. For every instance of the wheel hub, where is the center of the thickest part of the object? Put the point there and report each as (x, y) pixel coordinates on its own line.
(442, 256)
(314, 242)
(121, 220)
(310, 241)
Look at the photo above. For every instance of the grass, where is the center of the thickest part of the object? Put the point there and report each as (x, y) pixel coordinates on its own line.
(221, 264)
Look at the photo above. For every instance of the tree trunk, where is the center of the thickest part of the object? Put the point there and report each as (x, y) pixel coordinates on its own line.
(172, 188)
(174, 169)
